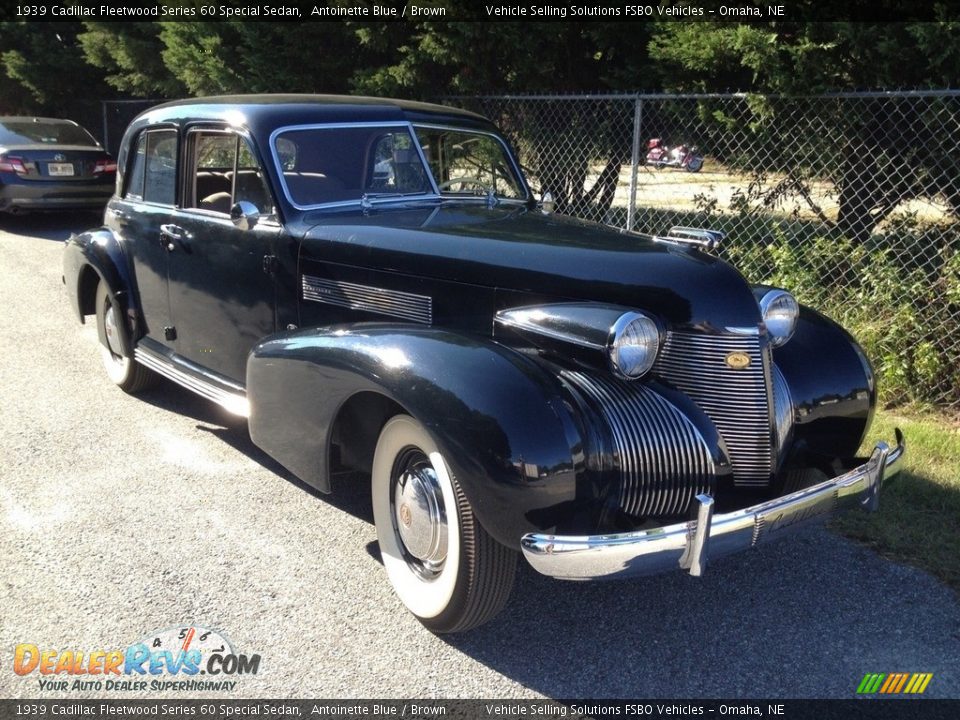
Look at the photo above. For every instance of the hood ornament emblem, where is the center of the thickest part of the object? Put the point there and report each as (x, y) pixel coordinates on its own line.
(737, 360)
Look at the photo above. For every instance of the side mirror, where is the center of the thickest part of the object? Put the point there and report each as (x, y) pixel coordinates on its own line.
(244, 214)
(546, 203)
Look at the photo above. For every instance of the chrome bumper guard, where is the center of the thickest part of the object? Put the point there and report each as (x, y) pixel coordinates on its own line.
(689, 545)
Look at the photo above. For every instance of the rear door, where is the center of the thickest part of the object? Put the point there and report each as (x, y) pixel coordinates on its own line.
(138, 216)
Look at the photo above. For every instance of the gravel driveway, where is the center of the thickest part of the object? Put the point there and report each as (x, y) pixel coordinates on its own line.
(121, 516)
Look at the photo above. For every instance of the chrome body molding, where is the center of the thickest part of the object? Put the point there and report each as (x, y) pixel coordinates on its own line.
(588, 325)
(404, 305)
(231, 398)
(700, 237)
(690, 545)
(664, 462)
(783, 409)
(736, 400)
(565, 327)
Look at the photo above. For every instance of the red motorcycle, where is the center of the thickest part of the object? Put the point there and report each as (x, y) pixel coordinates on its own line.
(679, 156)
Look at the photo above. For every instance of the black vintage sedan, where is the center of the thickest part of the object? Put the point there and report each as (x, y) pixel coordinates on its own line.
(52, 164)
(372, 283)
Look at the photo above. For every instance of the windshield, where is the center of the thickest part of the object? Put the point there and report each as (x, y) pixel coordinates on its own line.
(342, 164)
(339, 164)
(30, 131)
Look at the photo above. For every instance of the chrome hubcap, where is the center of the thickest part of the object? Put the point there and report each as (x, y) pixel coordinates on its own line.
(110, 329)
(419, 515)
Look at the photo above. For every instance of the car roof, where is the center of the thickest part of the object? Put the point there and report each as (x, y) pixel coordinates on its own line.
(289, 109)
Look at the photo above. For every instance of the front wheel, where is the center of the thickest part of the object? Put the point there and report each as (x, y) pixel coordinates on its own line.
(442, 564)
(129, 375)
(694, 164)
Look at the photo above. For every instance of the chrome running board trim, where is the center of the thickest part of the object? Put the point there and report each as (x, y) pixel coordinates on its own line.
(233, 401)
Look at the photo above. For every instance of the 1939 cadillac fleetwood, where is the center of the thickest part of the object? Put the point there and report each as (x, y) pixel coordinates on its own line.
(372, 284)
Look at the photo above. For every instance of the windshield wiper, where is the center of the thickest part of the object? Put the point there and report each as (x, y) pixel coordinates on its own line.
(379, 195)
(366, 200)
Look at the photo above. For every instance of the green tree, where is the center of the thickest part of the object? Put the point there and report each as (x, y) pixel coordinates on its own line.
(44, 72)
(130, 53)
(204, 56)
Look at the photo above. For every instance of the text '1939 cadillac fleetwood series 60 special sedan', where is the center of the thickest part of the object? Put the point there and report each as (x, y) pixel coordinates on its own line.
(373, 285)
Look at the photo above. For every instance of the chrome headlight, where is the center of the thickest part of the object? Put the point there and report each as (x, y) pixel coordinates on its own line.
(780, 311)
(633, 345)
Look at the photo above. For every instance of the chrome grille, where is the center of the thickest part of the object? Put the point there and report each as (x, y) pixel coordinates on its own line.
(662, 458)
(737, 401)
(409, 306)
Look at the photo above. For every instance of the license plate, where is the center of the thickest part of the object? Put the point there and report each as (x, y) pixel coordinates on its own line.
(59, 169)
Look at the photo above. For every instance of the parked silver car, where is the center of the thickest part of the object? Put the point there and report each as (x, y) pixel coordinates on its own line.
(51, 164)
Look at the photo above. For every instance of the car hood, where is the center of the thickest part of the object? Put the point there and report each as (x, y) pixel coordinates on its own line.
(549, 256)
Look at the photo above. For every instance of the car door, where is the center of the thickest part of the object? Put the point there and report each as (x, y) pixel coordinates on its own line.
(138, 216)
(222, 296)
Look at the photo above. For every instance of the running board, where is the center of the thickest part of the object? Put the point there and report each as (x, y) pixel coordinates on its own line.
(233, 400)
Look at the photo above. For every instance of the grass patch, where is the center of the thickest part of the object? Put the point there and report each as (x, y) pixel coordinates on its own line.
(919, 517)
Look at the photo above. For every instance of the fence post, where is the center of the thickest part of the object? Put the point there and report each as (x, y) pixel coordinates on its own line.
(634, 162)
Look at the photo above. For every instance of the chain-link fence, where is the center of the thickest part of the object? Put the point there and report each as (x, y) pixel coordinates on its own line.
(852, 201)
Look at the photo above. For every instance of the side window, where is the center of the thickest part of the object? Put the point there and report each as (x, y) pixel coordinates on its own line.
(159, 184)
(224, 172)
(250, 183)
(135, 175)
(153, 168)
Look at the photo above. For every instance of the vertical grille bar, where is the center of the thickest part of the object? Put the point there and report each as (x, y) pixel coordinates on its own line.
(664, 462)
(736, 400)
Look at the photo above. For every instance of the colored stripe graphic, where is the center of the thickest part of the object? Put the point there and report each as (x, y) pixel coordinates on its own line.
(894, 683)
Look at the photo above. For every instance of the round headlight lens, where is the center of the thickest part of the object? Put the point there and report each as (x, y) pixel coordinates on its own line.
(780, 311)
(635, 341)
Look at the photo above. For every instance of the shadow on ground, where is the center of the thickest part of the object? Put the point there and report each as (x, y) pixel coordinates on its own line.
(50, 226)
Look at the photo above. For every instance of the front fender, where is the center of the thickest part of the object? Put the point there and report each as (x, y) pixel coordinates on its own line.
(496, 415)
(831, 385)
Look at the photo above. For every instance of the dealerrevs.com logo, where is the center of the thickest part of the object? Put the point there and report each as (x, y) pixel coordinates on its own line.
(187, 659)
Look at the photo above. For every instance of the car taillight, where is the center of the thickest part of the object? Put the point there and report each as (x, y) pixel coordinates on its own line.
(9, 163)
(105, 165)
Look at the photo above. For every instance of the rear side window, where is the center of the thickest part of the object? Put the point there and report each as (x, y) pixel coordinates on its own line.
(153, 168)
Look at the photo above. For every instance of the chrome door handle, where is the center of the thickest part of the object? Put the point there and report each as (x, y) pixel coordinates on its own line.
(174, 231)
(170, 233)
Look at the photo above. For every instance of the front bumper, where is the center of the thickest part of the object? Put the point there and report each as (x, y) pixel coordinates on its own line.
(689, 545)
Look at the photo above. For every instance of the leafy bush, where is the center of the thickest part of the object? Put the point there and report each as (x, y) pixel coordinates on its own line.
(899, 295)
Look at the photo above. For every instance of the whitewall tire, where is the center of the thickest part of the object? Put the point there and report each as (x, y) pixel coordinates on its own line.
(442, 564)
(123, 370)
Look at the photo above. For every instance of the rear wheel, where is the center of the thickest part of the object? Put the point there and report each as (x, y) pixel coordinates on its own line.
(442, 564)
(129, 375)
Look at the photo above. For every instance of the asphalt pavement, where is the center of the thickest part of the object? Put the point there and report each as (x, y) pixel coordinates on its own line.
(122, 516)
